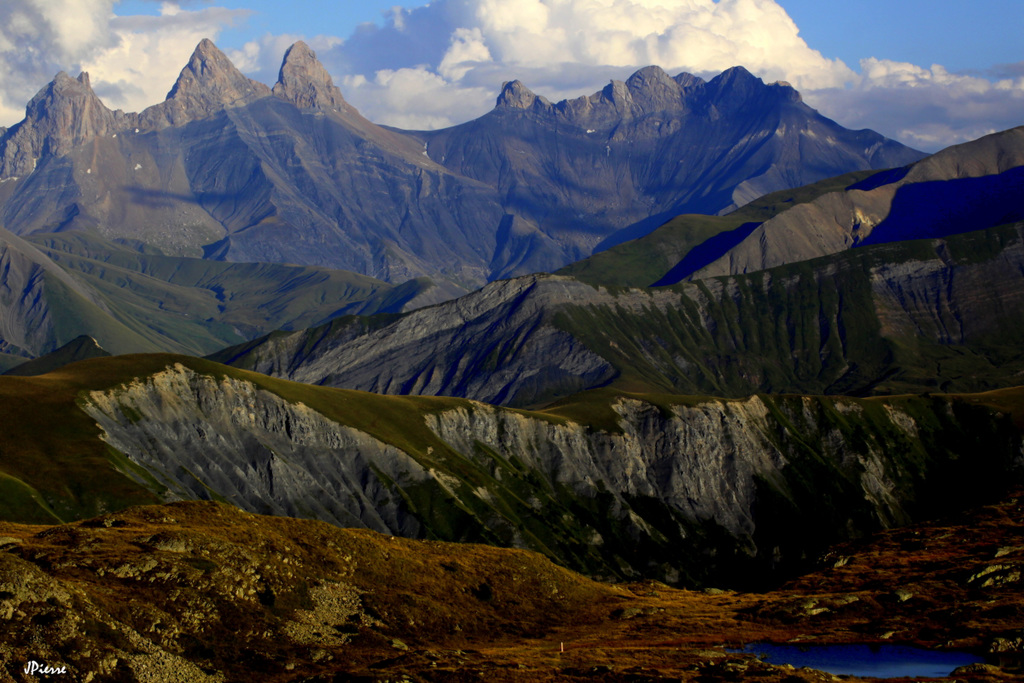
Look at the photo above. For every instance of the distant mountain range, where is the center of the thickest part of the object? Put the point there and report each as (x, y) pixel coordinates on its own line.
(229, 169)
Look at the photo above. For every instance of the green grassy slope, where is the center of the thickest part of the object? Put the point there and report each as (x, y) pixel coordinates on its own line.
(153, 302)
(641, 262)
(817, 327)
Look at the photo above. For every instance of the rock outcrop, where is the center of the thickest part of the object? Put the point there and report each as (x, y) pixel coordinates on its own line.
(304, 81)
(679, 491)
(64, 114)
(208, 84)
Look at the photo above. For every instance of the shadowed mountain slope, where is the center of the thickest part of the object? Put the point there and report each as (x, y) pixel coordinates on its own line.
(972, 186)
(968, 187)
(910, 316)
(691, 239)
(79, 348)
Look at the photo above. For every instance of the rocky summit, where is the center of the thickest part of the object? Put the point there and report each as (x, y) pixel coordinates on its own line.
(227, 168)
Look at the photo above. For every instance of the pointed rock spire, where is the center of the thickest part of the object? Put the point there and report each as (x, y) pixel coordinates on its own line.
(652, 89)
(735, 81)
(688, 81)
(304, 81)
(63, 114)
(208, 84)
(515, 95)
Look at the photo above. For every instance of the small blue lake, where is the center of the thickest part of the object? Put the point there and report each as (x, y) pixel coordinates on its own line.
(880, 661)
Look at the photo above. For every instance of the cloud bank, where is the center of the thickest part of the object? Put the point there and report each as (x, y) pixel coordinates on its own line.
(926, 108)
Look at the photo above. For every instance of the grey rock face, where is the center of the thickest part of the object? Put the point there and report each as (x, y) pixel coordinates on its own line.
(616, 502)
(495, 345)
(252, 448)
(208, 84)
(304, 81)
(64, 114)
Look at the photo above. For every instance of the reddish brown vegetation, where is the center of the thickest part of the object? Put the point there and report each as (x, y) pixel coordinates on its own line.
(203, 590)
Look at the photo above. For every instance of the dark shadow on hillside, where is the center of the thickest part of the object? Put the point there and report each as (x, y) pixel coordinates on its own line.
(949, 207)
(706, 253)
(886, 177)
(155, 199)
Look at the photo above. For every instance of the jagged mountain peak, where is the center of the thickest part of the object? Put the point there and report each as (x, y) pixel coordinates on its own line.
(735, 81)
(61, 91)
(304, 81)
(209, 83)
(651, 76)
(736, 89)
(210, 74)
(63, 113)
(651, 88)
(515, 95)
(686, 80)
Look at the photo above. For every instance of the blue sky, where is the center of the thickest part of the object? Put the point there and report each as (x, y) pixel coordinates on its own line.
(927, 73)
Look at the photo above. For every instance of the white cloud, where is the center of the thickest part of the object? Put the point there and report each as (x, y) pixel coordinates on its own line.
(927, 108)
(416, 98)
(150, 52)
(467, 50)
(442, 63)
(691, 35)
(35, 36)
(261, 59)
(132, 61)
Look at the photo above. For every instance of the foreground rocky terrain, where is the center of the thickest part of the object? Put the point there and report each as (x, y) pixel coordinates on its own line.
(206, 592)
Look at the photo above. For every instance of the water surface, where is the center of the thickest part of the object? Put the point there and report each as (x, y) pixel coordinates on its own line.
(881, 661)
